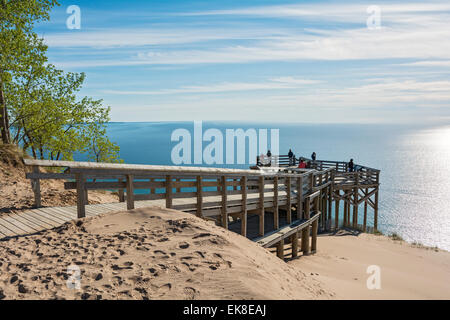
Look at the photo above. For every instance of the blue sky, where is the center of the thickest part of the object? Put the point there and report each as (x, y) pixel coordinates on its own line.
(283, 61)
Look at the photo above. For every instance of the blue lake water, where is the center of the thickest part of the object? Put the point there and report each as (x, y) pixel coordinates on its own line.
(414, 164)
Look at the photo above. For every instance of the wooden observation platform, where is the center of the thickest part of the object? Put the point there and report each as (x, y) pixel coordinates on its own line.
(269, 205)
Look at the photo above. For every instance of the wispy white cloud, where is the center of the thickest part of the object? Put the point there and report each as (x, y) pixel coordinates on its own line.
(272, 84)
(409, 31)
(431, 63)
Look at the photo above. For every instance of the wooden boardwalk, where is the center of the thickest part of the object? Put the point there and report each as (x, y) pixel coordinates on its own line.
(34, 220)
(267, 205)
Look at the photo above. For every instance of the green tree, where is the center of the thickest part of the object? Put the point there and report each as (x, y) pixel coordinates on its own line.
(17, 41)
(99, 148)
(39, 106)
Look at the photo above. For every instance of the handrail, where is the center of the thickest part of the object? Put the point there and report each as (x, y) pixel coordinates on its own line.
(219, 192)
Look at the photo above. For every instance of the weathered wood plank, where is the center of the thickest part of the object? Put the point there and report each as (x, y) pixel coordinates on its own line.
(130, 192)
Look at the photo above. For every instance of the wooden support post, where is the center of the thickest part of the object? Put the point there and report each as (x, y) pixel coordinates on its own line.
(324, 207)
(121, 193)
(86, 196)
(280, 249)
(365, 212)
(315, 226)
(81, 202)
(294, 244)
(330, 205)
(152, 190)
(169, 198)
(276, 216)
(375, 209)
(289, 205)
(261, 206)
(244, 206)
(306, 231)
(375, 212)
(36, 187)
(355, 209)
(336, 213)
(345, 224)
(299, 198)
(224, 202)
(178, 189)
(130, 192)
(199, 197)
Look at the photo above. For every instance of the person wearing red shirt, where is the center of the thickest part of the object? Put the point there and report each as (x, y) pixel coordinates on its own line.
(302, 164)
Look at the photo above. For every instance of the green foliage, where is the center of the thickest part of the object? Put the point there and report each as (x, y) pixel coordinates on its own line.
(43, 111)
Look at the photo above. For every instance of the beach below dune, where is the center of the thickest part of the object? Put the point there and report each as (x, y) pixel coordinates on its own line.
(157, 253)
(407, 271)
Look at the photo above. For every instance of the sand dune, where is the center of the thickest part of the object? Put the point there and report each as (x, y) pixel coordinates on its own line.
(148, 254)
(16, 192)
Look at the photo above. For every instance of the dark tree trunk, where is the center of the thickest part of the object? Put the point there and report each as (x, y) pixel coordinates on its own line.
(4, 121)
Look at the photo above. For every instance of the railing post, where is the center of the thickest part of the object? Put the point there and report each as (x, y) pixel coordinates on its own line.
(280, 249)
(130, 192)
(199, 197)
(355, 203)
(244, 206)
(81, 201)
(36, 186)
(375, 209)
(276, 218)
(365, 211)
(315, 226)
(121, 193)
(289, 205)
(336, 210)
(224, 202)
(305, 231)
(261, 206)
(152, 190)
(299, 198)
(294, 243)
(169, 191)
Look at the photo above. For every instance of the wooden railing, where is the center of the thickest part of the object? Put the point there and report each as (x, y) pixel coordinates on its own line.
(207, 192)
(304, 196)
(362, 175)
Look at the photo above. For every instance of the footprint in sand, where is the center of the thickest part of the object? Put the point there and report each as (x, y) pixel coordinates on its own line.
(201, 235)
(190, 293)
(165, 288)
(190, 267)
(183, 245)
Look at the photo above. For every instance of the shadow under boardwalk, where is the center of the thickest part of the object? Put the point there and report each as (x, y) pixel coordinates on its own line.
(253, 224)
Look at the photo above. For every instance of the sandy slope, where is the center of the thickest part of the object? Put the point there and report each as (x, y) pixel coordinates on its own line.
(148, 254)
(16, 193)
(407, 272)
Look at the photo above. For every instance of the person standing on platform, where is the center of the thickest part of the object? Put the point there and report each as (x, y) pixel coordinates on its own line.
(291, 155)
(351, 166)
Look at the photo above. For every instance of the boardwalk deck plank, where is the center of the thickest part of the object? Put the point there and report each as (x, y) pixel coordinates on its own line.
(29, 223)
